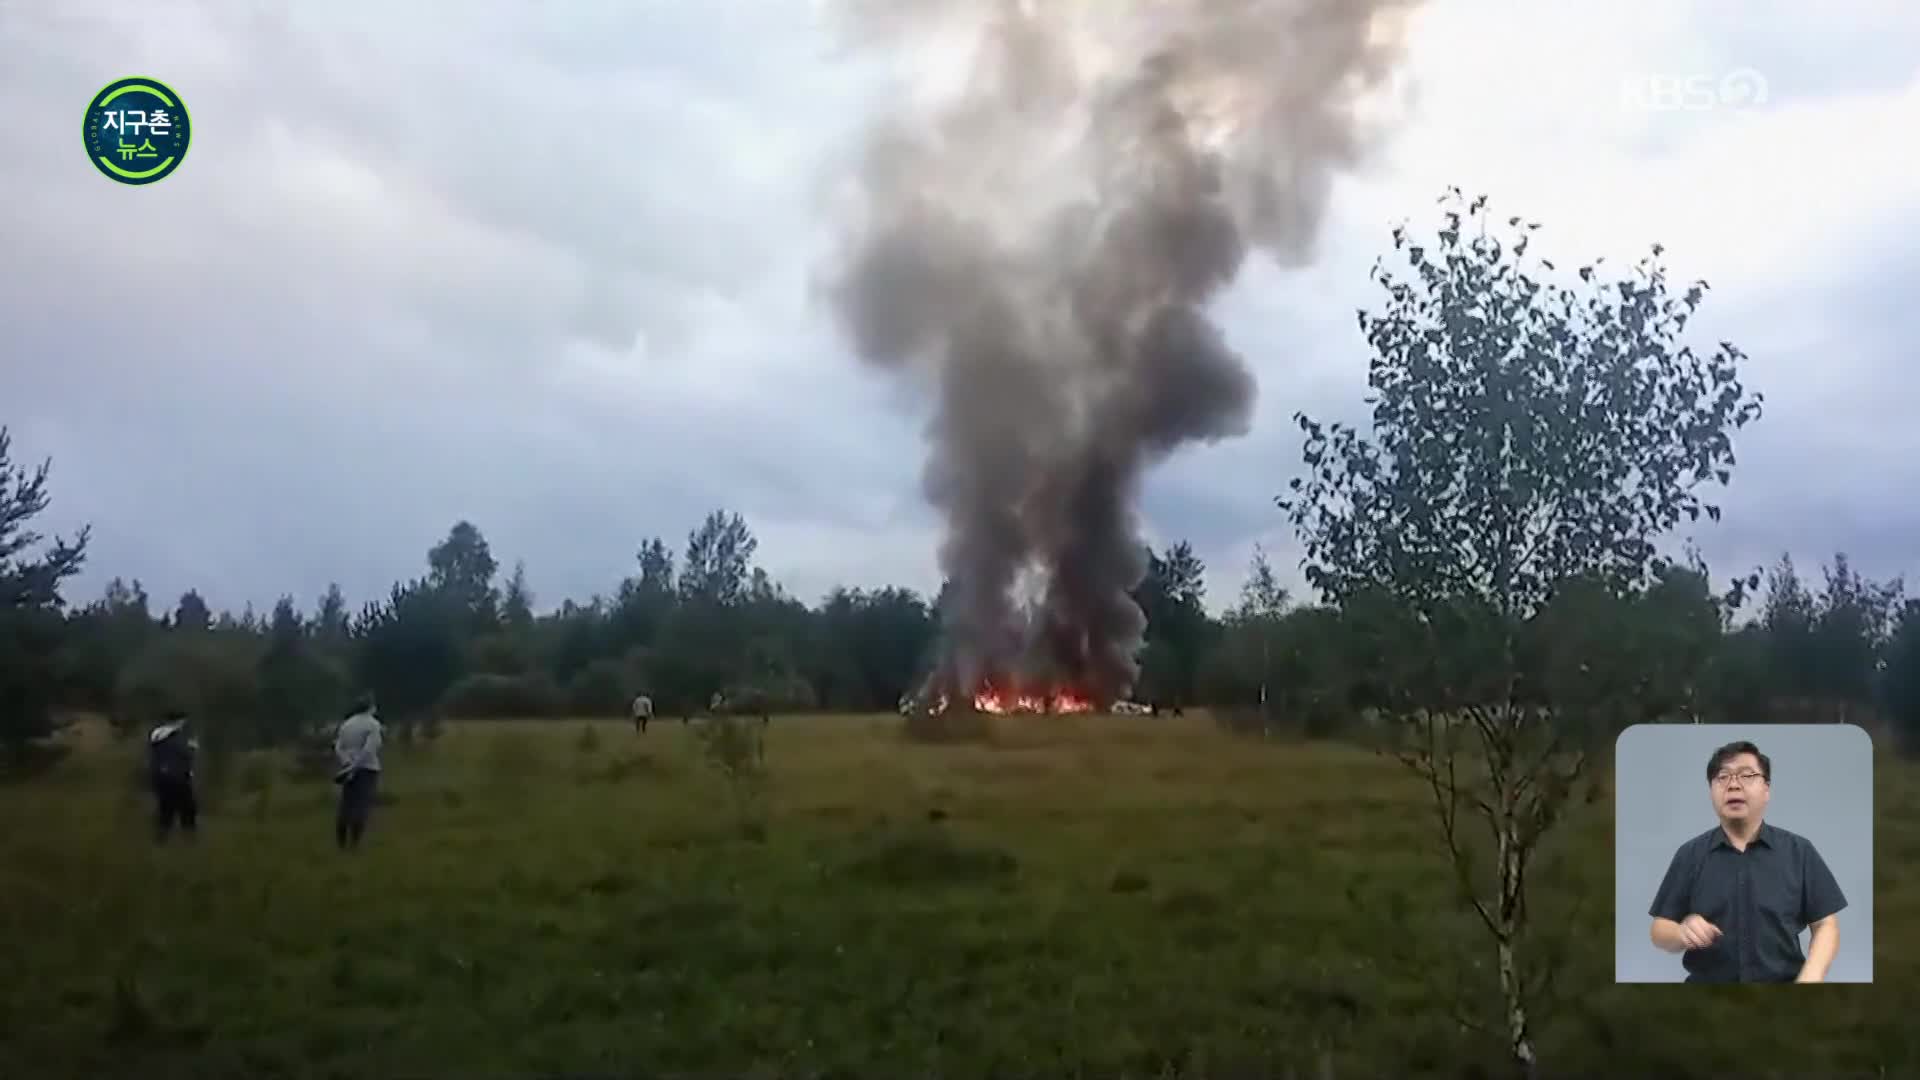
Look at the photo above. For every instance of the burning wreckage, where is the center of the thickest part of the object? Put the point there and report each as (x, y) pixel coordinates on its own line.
(1025, 678)
(1035, 247)
(999, 702)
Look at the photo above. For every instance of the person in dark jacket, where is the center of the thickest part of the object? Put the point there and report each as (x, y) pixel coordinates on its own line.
(171, 748)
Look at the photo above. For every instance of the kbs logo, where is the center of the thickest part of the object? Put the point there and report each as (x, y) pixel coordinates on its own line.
(1738, 89)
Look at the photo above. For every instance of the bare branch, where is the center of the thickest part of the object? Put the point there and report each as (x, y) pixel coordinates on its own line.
(1446, 798)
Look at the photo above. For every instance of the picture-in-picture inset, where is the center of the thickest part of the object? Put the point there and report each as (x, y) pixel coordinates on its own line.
(1743, 854)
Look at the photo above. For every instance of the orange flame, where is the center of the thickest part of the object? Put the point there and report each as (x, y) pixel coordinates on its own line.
(994, 701)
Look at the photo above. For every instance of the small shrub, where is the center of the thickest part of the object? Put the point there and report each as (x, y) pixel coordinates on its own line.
(736, 748)
(732, 744)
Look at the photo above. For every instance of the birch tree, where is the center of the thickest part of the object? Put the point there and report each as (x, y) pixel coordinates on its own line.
(1533, 436)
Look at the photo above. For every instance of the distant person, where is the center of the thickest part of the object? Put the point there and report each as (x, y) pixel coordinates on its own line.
(1737, 896)
(357, 748)
(171, 749)
(642, 713)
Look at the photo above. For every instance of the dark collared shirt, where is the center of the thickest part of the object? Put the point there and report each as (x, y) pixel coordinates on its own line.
(1760, 898)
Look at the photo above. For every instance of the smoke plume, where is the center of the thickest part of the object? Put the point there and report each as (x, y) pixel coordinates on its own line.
(1037, 236)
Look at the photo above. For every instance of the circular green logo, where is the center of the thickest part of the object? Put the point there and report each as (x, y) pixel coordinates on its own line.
(136, 131)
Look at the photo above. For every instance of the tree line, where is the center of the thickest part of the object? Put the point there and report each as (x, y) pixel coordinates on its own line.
(463, 640)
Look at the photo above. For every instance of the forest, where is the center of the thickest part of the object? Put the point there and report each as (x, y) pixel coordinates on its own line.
(466, 640)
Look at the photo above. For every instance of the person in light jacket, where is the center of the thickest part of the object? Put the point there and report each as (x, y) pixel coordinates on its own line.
(357, 749)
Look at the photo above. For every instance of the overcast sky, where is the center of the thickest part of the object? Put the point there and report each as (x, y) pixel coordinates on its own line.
(547, 266)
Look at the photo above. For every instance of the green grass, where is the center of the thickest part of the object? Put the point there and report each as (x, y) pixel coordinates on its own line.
(1084, 897)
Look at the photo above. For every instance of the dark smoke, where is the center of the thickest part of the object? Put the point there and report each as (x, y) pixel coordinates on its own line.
(1041, 244)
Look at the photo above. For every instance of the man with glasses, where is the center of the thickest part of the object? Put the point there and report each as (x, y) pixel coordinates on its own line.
(1736, 897)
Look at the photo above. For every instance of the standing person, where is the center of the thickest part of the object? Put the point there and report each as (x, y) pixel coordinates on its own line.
(357, 748)
(1737, 896)
(642, 713)
(171, 748)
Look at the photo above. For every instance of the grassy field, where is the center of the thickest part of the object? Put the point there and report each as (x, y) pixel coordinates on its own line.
(1083, 897)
